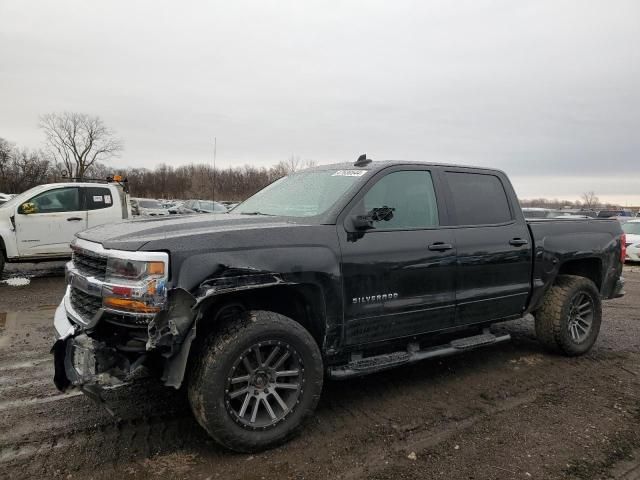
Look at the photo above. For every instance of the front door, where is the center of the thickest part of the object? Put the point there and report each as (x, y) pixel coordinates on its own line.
(47, 223)
(399, 276)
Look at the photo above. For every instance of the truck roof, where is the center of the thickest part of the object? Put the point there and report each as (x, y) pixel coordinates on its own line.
(380, 164)
(77, 184)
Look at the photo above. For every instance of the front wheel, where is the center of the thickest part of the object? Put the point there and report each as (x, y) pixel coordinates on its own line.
(256, 381)
(569, 319)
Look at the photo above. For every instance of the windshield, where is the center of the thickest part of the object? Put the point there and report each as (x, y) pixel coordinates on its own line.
(149, 204)
(303, 194)
(632, 228)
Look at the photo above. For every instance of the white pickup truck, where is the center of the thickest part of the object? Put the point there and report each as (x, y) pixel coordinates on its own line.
(39, 224)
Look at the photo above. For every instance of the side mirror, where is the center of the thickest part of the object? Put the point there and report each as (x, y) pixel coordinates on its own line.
(362, 222)
(366, 222)
(27, 208)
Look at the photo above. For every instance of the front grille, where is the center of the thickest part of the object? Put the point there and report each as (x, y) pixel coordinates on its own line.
(132, 321)
(90, 265)
(84, 304)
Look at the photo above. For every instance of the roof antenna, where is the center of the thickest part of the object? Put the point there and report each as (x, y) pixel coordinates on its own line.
(362, 161)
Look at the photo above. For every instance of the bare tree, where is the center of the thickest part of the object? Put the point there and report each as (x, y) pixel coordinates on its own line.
(78, 140)
(6, 148)
(589, 200)
(293, 164)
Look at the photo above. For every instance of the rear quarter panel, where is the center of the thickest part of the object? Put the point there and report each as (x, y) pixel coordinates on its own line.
(557, 242)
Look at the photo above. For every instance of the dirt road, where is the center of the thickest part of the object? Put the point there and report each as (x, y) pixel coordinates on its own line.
(505, 412)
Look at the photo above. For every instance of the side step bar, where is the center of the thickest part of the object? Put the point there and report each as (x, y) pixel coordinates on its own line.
(362, 366)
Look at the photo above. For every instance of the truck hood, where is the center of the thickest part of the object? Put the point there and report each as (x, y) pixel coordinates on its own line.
(134, 234)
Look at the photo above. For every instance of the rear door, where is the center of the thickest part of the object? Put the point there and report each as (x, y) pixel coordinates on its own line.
(493, 245)
(399, 276)
(47, 223)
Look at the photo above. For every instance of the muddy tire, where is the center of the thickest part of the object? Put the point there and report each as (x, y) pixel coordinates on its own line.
(569, 319)
(2, 261)
(256, 381)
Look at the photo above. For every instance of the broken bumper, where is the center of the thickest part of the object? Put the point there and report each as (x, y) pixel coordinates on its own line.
(64, 329)
(80, 361)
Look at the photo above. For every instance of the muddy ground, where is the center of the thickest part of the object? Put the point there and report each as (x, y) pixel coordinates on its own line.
(504, 412)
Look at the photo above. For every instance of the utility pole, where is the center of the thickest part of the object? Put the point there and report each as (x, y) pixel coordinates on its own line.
(213, 183)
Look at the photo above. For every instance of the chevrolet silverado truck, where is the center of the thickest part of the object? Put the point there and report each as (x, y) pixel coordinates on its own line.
(328, 273)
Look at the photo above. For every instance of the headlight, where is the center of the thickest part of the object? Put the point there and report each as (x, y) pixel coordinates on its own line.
(132, 270)
(135, 286)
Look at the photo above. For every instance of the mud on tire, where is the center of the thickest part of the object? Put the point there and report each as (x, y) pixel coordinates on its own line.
(263, 359)
(569, 319)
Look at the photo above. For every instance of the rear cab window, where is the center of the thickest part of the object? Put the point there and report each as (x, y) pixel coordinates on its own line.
(478, 199)
(97, 198)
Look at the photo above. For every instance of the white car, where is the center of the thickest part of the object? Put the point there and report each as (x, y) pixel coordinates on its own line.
(632, 232)
(39, 224)
(5, 197)
(147, 207)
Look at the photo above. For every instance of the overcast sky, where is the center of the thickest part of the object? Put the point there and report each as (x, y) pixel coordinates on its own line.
(547, 90)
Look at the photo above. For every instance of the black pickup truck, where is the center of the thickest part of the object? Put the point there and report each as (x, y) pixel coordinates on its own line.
(331, 272)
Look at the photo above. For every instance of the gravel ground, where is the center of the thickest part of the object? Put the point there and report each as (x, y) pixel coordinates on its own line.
(504, 412)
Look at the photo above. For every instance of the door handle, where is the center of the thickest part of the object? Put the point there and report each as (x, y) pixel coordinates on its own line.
(440, 247)
(518, 242)
(74, 219)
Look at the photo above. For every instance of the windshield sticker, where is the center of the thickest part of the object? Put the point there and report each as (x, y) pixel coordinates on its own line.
(349, 173)
(107, 199)
(97, 198)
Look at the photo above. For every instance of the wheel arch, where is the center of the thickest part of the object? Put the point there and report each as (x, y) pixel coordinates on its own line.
(589, 267)
(303, 303)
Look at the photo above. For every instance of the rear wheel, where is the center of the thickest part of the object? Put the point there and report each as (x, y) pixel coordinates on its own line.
(256, 381)
(569, 319)
(2, 261)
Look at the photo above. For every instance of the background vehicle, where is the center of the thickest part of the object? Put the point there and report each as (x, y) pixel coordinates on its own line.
(39, 224)
(340, 270)
(147, 207)
(532, 212)
(632, 231)
(5, 197)
(614, 213)
(535, 212)
(203, 206)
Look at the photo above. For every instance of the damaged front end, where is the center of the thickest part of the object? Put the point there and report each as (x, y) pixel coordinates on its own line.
(117, 322)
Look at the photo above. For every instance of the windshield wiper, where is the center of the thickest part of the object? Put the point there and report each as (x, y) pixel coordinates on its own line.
(257, 213)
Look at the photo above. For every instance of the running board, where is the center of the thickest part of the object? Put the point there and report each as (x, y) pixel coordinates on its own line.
(362, 366)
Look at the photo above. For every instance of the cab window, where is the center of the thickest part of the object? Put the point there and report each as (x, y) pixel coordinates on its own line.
(410, 195)
(97, 198)
(478, 199)
(53, 201)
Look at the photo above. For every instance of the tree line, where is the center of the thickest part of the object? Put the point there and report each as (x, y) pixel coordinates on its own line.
(22, 168)
(587, 201)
